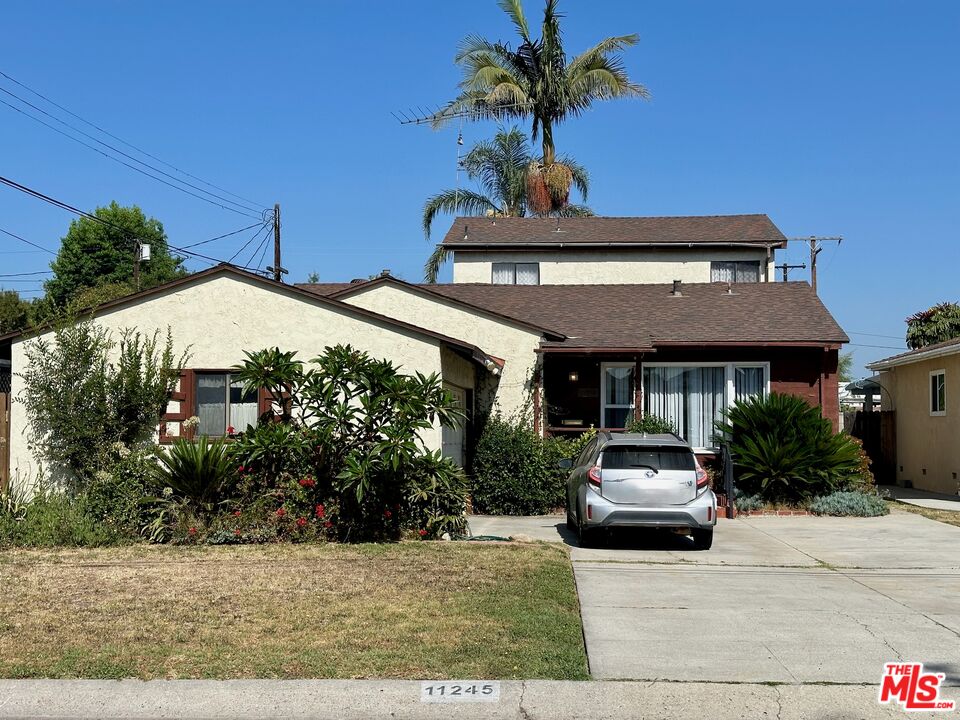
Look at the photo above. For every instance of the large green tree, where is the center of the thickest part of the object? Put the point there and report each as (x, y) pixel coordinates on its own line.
(537, 80)
(933, 325)
(93, 255)
(14, 311)
(499, 167)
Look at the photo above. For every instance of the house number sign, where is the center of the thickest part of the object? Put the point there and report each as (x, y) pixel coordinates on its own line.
(449, 691)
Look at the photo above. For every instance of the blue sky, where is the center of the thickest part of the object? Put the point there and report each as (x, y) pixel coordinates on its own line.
(835, 118)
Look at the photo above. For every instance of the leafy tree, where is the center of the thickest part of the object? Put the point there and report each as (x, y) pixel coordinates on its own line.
(92, 254)
(500, 168)
(14, 311)
(933, 325)
(84, 393)
(537, 81)
(845, 367)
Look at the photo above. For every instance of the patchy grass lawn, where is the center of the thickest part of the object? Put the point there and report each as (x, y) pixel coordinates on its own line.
(951, 517)
(410, 610)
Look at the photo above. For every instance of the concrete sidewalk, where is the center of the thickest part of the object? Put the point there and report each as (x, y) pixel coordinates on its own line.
(397, 699)
(923, 498)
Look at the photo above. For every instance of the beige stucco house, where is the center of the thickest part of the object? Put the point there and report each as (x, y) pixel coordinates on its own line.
(674, 316)
(922, 388)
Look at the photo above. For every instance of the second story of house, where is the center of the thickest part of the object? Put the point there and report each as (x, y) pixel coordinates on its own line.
(613, 250)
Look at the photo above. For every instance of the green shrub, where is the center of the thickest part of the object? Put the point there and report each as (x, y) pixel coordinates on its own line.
(849, 503)
(784, 451)
(118, 495)
(437, 498)
(649, 424)
(515, 471)
(198, 473)
(748, 503)
(53, 518)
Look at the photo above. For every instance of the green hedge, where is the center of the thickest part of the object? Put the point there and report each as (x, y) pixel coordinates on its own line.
(515, 470)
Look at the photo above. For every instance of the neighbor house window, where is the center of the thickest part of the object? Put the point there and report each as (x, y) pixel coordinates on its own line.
(222, 403)
(938, 392)
(617, 395)
(504, 273)
(735, 272)
(693, 398)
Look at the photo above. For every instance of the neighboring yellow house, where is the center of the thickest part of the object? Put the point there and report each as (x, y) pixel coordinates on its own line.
(922, 387)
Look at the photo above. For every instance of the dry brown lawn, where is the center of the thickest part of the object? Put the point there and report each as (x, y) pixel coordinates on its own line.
(951, 517)
(410, 610)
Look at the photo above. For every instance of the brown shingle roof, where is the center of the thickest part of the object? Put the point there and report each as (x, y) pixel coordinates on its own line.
(643, 316)
(918, 354)
(468, 232)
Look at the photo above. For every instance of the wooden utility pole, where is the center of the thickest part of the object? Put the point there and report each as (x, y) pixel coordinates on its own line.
(277, 267)
(816, 245)
(787, 268)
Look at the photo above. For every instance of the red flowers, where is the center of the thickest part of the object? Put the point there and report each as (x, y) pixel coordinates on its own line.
(281, 512)
(423, 533)
(236, 513)
(192, 531)
(301, 522)
(328, 524)
(308, 482)
(230, 430)
(320, 511)
(241, 469)
(237, 532)
(387, 513)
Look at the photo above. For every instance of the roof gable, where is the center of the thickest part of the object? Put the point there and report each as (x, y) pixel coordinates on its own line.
(597, 232)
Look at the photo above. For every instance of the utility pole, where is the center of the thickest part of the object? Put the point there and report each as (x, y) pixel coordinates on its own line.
(787, 268)
(816, 246)
(277, 269)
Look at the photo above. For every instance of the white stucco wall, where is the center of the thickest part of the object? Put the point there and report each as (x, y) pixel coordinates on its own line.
(516, 346)
(569, 267)
(221, 316)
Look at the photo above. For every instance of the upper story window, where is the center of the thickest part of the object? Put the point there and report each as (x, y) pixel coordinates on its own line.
(740, 271)
(221, 403)
(938, 392)
(506, 273)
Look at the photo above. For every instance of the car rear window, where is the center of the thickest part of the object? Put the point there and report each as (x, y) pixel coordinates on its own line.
(622, 457)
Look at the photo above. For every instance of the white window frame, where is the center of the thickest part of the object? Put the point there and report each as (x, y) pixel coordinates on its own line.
(514, 265)
(942, 411)
(729, 378)
(603, 389)
(227, 405)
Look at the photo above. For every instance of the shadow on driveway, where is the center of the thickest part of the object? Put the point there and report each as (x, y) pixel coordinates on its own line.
(631, 539)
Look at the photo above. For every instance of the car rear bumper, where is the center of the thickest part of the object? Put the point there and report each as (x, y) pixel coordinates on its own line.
(698, 513)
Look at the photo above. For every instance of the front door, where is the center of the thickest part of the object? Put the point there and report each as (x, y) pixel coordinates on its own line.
(455, 438)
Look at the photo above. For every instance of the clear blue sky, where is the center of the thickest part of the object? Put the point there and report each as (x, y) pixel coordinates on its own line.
(835, 118)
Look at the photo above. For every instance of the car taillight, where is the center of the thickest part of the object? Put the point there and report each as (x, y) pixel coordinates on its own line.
(702, 477)
(593, 475)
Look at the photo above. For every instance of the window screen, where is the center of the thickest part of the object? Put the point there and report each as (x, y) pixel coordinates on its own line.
(622, 457)
(735, 271)
(504, 274)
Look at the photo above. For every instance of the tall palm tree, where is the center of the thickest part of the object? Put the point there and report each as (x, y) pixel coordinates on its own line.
(499, 166)
(536, 80)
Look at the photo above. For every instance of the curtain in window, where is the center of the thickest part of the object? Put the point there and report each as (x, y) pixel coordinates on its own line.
(618, 391)
(748, 382)
(748, 272)
(691, 398)
(243, 407)
(504, 273)
(723, 272)
(212, 404)
(528, 273)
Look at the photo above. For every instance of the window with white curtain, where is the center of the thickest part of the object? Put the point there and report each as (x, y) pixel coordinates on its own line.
(693, 398)
(505, 273)
(617, 393)
(222, 403)
(740, 271)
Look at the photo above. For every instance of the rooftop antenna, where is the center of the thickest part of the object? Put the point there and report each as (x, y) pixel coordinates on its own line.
(429, 116)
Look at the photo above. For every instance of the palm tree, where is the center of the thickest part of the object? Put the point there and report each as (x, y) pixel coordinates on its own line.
(499, 166)
(536, 80)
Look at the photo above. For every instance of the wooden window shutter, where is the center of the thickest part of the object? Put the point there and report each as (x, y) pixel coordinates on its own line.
(185, 395)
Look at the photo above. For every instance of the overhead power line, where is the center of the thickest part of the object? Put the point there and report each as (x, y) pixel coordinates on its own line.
(128, 144)
(28, 242)
(26, 274)
(244, 212)
(83, 213)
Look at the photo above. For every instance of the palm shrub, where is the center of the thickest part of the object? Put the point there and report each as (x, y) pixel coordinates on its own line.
(199, 473)
(784, 451)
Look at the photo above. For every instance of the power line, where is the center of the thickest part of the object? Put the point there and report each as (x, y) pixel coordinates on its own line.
(885, 347)
(28, 242)
(247, 243)
(126, 164)
(26, 274)
(128, 144)
(263, 245)
(220, 237)
(892, 337)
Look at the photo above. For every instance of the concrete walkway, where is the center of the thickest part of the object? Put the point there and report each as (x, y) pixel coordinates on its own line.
(923, 498)
(399, 700)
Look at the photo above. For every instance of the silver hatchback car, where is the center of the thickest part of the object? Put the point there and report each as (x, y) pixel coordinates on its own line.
(639, 480)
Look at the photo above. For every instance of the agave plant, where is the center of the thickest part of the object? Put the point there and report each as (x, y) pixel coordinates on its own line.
(198, 473)
(785, 451)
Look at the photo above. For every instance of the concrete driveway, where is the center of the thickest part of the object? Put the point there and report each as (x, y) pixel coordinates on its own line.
(794, 600)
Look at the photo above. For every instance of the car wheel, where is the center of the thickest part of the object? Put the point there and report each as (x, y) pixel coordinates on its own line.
(586, 536)
(702, 538)
(571, 519)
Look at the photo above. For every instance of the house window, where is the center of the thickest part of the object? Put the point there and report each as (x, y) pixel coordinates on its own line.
(222, 403)
(938, 392)
(693, 398)
(735, 272)
(616, 392)
(504, 273)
